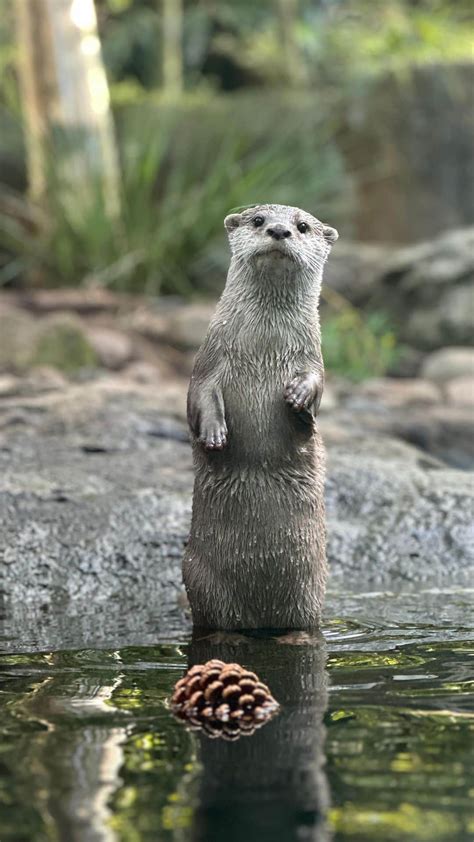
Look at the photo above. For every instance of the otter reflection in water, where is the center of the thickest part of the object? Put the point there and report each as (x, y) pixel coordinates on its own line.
(271, 785)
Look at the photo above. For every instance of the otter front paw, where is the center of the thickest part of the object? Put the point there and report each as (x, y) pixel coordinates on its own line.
(213, 436)
(304, 392)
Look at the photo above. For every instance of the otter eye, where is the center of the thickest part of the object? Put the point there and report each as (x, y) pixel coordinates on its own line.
(258, 221)
(302, 227)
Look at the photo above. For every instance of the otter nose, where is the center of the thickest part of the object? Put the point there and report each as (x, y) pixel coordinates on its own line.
(278, 232)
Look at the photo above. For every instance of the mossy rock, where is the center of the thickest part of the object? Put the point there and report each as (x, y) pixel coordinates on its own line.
(62, 344)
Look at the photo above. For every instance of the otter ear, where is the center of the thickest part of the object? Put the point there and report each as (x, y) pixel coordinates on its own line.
(232, 221)
(330, 234)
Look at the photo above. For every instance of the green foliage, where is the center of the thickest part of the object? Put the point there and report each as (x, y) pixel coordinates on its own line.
(357, 41)
(9, 98)
(235, 44)
(356, 344)
(130, 34)
(182, 171)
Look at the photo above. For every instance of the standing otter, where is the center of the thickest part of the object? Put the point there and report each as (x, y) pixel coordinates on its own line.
(256, 554)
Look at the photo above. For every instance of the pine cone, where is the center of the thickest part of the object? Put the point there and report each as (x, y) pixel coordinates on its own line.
(225, 700)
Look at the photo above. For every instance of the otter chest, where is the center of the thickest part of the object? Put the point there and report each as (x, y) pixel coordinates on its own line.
(255, 371)
(260, 351)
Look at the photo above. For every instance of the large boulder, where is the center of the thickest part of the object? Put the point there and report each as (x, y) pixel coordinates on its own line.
(95, 500)
(449, 364)
(354, 271)
(113, 348)
(436, 417)
(429, 290)
(83, 300)
(181, 325)
(394, 515)
(17, 338)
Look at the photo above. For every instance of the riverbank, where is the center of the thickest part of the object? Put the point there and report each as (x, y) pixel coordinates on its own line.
(96, 486)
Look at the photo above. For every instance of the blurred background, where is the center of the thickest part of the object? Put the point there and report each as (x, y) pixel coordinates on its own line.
(128, 128)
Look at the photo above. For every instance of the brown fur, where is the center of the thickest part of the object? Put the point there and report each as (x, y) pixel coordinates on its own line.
(256, 554)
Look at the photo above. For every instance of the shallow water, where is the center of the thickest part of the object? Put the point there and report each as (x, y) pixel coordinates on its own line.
(373, 741)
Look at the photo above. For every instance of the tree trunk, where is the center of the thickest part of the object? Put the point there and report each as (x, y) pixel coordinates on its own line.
(65, 94)
(172, 35)
(37, 85)
(288, 11)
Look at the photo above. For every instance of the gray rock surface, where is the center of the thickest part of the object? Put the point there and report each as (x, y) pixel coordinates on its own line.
(430, 287)
(355, 269)
(460, 392)
(427, 289)
(180, 324)
(417, 411)
(113, 348)
(449, 364)
(17, 338)
(95, 500)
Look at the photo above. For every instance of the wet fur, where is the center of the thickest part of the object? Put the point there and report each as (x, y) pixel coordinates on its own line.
(256, 554)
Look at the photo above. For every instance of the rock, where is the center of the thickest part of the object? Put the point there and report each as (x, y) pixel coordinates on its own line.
(187, 327)
(449, 363)
(457, 313)
(329, 400)
(149, 324)
(113, 348)
(95, 501)
(355, 270)
(448, 320)
(419, 414)
(43, 379)
(83, 301)
(428, 290)
(142, 371)
(422, 328)
(391, 517)
(62, 343)
(398, 393)
(17, 339)
(444, 432)
(9, 385)
(460, 391)
(182, 326)
(407, 362)
(439, 261)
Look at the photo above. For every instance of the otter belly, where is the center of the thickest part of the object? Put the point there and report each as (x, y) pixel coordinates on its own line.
(256, 554)
(262, 428)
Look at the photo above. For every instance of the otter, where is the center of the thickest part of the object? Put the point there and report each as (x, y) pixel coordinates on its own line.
(256, 555)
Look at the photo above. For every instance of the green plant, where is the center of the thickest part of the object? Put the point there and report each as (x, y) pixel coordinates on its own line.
(356, 345)
(182, 171)
(356, 40)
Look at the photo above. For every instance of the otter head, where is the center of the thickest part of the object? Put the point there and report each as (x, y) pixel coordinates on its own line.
(268, 235)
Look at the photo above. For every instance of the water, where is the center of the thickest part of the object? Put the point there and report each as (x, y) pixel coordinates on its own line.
(373, 742)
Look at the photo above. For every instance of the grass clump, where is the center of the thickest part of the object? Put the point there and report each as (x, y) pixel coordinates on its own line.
(356, 344)
(181, 172)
